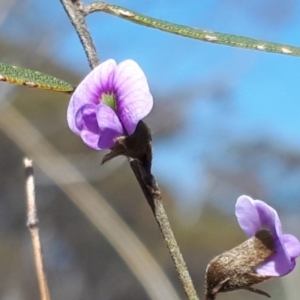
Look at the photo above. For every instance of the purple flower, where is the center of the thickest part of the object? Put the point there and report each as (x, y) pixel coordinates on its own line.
(254, 215)
(109, 103)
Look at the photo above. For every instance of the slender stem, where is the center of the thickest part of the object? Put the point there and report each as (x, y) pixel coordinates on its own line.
(199, 34)
(74, 9)
(156, 204)
(32, 224)
(153, 199)
(182, 270)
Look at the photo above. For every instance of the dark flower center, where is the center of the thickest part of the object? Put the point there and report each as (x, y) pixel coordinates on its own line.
(264, 238)
(109, 100)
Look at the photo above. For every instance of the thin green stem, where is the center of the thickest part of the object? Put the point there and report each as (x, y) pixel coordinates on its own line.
(156, 204)
(198, 34)
(76, 12)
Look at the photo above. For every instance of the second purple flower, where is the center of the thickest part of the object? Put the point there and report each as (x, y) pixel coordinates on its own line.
(267, 253)
(255, 215)
(109, 103)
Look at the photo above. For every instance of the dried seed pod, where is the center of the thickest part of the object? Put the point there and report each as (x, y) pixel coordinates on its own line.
(235, 269)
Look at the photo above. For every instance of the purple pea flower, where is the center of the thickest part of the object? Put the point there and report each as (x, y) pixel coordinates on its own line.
(254, 215)
(267, 252)
(109, 103)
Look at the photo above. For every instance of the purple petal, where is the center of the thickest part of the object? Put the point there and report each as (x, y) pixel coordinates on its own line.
(268, 218)
(280, 263)
(87, 126)
(247, 215)
(134, 100)
(253, 215)
(109, 126)
(99, 80)
(277, 265)
(292, 245)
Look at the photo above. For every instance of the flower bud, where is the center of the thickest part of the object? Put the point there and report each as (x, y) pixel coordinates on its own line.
(236, 269)
(137, 146)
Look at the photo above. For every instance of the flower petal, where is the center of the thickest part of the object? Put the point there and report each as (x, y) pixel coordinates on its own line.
(254, 215)
(280, 263)
(99, 80)
(86, 123)
(292, 245)
(134, 100)
(109, 126)
(268, 218)
(247, 215)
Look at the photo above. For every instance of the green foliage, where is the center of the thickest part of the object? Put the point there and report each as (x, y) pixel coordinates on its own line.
(195, 33)
(30, 78)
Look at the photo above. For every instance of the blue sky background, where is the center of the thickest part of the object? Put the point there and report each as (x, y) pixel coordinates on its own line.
(264, 88)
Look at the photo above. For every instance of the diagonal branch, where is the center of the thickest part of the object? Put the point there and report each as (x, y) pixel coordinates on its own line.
(155, 202)
(74, 9)
(194, 33)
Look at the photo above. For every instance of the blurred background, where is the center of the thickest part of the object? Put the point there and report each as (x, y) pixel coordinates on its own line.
(225, 123)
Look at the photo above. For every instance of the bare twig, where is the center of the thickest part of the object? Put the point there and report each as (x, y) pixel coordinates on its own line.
(74, 9)
(32, 224)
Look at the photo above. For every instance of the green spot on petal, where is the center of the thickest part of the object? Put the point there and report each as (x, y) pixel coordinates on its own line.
(109, 100)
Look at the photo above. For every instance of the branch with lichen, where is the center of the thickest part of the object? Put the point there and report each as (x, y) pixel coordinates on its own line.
(194, 33)
(136, 146)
